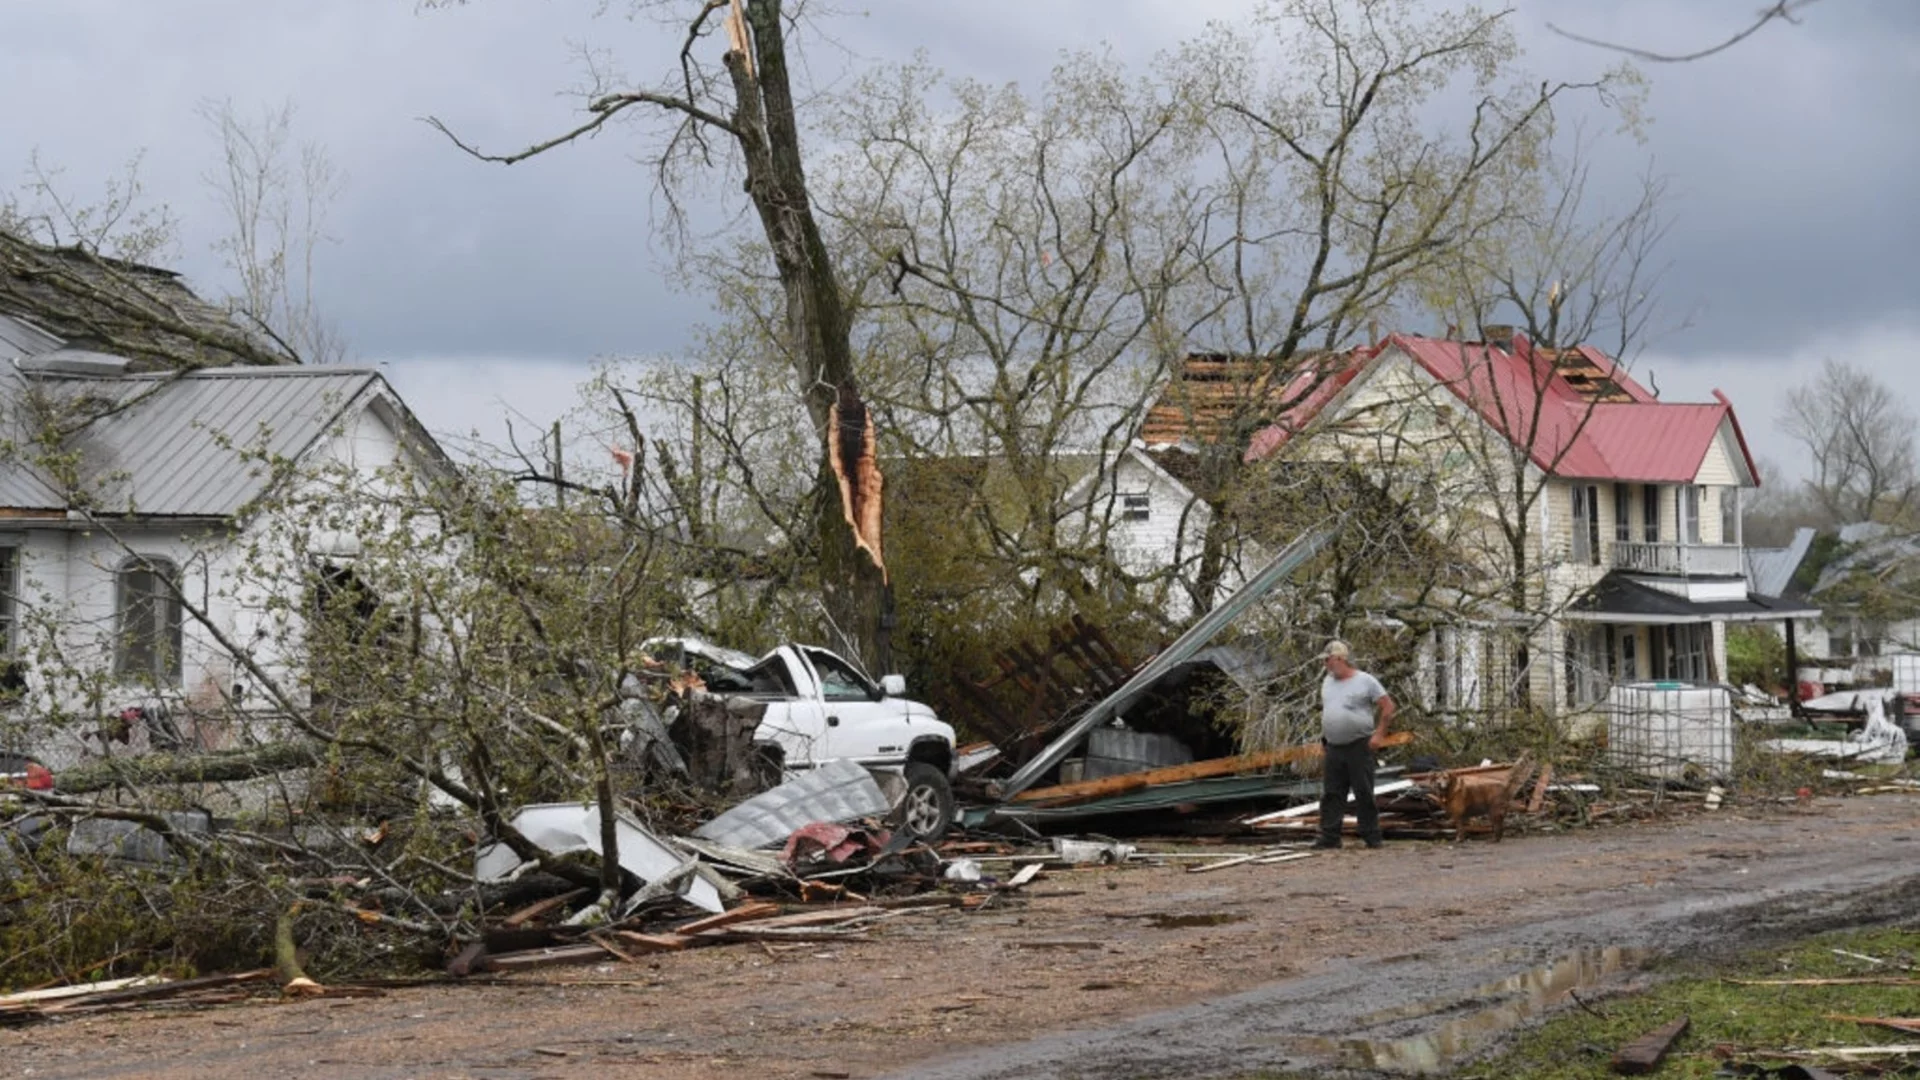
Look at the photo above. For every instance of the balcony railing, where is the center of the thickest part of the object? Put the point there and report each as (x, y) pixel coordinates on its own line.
(1679, 560)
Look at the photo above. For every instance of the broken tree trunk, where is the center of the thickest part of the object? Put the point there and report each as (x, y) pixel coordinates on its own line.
(219, 766)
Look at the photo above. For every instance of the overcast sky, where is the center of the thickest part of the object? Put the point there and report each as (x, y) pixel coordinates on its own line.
(1792, 162)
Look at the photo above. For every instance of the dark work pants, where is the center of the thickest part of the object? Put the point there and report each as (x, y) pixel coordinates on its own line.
(1349, 768)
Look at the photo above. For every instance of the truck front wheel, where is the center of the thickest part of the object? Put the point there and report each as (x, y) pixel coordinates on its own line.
(927, 808)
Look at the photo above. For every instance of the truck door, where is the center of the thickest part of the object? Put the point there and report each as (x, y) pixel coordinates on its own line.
(795, 720)
(860, 722)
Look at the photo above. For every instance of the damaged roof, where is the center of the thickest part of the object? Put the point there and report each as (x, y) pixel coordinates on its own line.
(76, 298)
(1577, 412)
(1214, 397)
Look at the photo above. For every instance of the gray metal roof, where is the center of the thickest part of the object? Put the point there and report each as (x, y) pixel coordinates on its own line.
(1880, 550)
(1771, 570)
(195, 444)
(20, 338)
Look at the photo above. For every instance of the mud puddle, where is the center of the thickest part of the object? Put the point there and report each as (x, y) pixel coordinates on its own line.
(1519, 998)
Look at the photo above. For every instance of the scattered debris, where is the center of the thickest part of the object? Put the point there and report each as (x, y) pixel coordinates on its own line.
(1108, 853)
(1909, 1024)
(836, 791)
(1643, 1055)
(559, 828)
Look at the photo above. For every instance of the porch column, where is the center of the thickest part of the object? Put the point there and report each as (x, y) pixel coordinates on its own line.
(1793, 672)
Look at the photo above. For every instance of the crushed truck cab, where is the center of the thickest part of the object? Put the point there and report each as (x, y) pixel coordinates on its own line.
(822, 707)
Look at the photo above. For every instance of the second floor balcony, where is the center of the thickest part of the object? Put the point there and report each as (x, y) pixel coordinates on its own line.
(1679, 560)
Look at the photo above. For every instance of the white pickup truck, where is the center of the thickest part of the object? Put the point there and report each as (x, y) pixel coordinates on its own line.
(821, 706)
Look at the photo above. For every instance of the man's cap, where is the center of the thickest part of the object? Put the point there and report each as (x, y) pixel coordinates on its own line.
(1336, 648)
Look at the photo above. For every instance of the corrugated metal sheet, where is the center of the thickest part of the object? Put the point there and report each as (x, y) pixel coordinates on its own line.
(196, 444)
(1771, 570)
(17, 338)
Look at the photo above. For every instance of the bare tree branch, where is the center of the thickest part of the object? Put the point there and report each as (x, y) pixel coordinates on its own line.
(1782, 10)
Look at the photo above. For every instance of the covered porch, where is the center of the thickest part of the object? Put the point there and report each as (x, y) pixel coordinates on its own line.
(1627, 631)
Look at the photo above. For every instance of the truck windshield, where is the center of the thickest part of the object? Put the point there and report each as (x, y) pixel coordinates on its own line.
(839, 680)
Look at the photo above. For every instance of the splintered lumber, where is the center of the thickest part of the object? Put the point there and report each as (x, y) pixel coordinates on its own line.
(1288, 856)
(54, 993)
(1859, 980)
(1086, 790)
(1538, 800)
(756, 910)
(1022, 876)
(1908, 1024)
(818, 918)
(101, 994)
(542, 907)
(1222, 864)
(651, 942)
(796, 933)
(463, 964)
(1642, 1055)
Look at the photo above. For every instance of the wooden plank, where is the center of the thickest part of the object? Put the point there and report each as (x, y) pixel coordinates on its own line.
(539, 958)
(1859, 980)
(1908, 1024)
(1642, 1055)
(802, 934)
(652, 942)
(149, 991)
(542, 907)
(1291, 856)
(1064, 794)
(1538, 800)
(54, 993)
(463, 964)
(1222, 864)
(1022, 876)
(757, 909)
(816, 918)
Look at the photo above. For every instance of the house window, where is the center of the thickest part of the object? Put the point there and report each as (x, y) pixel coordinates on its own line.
(1690, 651)
(1629, 661)
(1650, 513)
(1680, 652)
(147, 613)
(1588, 664)
(9, 572)
(1586, 524)
(1135, 508)
(1690, 514)
(1729, 515)
(1454, 657)
(1622, 514)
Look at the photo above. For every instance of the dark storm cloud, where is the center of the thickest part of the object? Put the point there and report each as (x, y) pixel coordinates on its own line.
(1790, 158)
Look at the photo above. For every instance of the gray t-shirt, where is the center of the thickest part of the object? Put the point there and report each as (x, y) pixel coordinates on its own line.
(1346, 707)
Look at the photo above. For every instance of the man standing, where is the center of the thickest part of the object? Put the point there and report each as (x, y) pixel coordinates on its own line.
(1350, 731)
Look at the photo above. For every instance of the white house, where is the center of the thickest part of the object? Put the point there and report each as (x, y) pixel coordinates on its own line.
(122, 492)
(1632, 519)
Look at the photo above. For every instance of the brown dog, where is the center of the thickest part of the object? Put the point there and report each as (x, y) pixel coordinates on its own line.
(1484, 795)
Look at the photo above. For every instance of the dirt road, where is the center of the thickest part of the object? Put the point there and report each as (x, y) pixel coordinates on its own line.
(1352, 959)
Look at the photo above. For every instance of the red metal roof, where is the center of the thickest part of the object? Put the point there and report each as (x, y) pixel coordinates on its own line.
(1568, 431)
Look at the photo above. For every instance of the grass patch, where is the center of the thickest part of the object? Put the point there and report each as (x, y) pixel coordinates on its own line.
(1733, 1022)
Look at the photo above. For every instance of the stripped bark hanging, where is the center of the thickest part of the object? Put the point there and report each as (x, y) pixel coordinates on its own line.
(856, 465)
